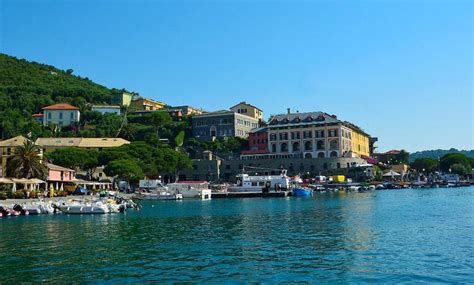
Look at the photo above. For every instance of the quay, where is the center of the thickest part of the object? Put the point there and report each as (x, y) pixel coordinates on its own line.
(281, 194)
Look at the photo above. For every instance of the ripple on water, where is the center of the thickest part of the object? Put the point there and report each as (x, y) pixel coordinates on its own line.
(389, 236)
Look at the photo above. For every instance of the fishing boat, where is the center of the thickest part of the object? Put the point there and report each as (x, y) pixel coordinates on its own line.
(191, 189)
(302, 192)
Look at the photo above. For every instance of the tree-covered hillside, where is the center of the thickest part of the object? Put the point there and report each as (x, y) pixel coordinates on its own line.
(438, 153)
(26, 87)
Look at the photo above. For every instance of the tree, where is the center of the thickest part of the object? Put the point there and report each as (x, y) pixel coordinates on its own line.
(124, 169)
(447, 161)
(179, 139)
(460, 169)
(76, 158)
(425, 164)
(158, 119)
(27, 163)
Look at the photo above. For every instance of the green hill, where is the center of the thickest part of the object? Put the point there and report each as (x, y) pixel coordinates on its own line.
(438, 153)
(26, 87)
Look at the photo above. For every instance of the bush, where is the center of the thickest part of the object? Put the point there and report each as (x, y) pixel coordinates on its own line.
(3, 195)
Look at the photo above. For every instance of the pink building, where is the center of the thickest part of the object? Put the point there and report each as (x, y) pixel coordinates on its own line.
(59, 174)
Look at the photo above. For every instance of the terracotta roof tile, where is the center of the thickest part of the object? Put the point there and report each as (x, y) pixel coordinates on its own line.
(61, 106)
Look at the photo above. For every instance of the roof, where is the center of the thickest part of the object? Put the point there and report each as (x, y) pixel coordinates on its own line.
(309, 118)
(258, 130)
(392, 152)
(16, 141)
(106, 106)
(57, 167)
(81, 142)
(245, 103)
(61, 106)
(147, 100)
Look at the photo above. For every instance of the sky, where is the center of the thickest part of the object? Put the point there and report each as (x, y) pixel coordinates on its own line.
(401, 70)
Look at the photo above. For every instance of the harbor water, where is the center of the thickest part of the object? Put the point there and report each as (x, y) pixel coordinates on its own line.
(424, 235)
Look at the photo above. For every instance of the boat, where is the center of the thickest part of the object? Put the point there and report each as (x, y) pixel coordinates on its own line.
(259, 184)
(20, 210)
(8, 212)
(191, 189)
(157, 194)
(302, 192)
(85, 208)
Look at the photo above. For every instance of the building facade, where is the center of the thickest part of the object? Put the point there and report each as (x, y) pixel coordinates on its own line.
(7, 150)
(222, 124)
(143, 104)
(106, 109)
(314, 135)
(258, 142)
(122, 99)
(61, 114)
(248, 110)
(188, 110)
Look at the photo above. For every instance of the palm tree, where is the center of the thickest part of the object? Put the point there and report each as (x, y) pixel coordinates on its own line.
(26, 162)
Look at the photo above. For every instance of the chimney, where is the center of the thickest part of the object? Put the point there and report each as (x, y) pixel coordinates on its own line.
(288, 111)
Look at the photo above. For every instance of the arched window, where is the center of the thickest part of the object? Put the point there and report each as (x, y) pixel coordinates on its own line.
(333, 154)
(284, 147)
(308, 145)
(274, 147)
(321, 155)
(333, 144)
(320, 145)
(296, 146)
(308, 155)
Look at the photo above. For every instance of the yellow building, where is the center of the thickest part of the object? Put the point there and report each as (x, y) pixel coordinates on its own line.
(7, 150)
(50, 144)
(360, 142)
(122, 98)
(248, 110)
(143, 104)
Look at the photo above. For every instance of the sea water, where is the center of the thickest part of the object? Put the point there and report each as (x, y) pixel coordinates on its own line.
(424, 235)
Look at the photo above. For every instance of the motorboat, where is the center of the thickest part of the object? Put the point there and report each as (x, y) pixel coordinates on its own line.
(20, 210)
(191, 189)
(302, 192)
(8, 212)
(85, 208)
(157, 194)
(259, 184)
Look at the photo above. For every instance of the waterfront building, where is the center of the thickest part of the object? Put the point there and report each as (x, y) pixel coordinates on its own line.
(58, 173)
(143, 104)
(222, 124)
(315, 135)
(188, 110)
(105, 109)
(248, 110)
(7, 149)
(50, 144)
(62, 114)
(258, 142)
(122, 98)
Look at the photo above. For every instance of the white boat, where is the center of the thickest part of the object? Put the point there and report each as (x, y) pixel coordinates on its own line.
(157, 194)
(191, 189)
(258, 184)
(85, 208)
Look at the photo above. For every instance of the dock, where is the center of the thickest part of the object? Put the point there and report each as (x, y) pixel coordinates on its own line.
(281, 194)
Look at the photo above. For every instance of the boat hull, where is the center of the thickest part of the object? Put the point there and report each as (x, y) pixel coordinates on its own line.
(301, 192)
(84, 209)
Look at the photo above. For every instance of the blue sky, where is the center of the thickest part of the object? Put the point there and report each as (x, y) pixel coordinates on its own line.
(402, 70)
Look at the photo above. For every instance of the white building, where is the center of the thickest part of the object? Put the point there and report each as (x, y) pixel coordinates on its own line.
(61, 114)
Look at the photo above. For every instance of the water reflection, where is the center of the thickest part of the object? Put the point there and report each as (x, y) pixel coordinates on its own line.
(351, 237)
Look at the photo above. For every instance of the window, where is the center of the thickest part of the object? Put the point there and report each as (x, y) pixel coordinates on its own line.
(273, 137)
(333, 154)
(72, 116)
(308, 146)
(308, 155)
(320, 145)
(284, 147)
(283, 136)
(49, 115)
(307, 134)
(333, 144)
(60, 115)
(320, 134)
(295, 135)
(321, 155)
(296, 147)
(274, 147)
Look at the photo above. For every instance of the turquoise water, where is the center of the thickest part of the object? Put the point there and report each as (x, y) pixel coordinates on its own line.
(385, 236)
